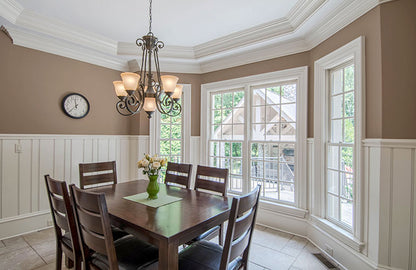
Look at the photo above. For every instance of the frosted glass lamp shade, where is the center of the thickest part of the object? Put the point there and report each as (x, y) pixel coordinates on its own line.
(130, 80)
(169, 83)
(119, 88)
(149, 104)
(177, 94)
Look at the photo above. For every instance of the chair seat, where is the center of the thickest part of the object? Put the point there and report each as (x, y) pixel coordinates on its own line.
(132, 254)
(205, 235)
(204, 255)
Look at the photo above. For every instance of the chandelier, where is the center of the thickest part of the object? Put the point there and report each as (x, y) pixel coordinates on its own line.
(147, 90)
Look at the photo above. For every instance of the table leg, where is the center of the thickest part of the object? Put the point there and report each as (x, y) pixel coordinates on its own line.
(168, 256)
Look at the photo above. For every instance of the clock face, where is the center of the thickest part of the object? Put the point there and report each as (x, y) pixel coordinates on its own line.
(75, 105)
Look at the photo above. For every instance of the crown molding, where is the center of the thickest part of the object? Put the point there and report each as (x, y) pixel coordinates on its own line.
(51, 45)
(10, 10)
(262, 42)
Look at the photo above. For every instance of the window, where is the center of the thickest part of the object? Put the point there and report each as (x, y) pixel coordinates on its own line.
(338, 130)
(253, 131)
(170, 142)
(340, 146)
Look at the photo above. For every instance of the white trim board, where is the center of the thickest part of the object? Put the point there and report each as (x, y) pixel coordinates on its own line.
(277, 38)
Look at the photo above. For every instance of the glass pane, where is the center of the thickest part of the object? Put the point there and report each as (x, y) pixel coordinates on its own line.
(255, 182)
(271, 152)
(227, 149)
(289, 113)
(289, 93)
(236, 183)
(336, 131)
(258, 97)
(236, 149)
(164, 118)
(336, 82)
(257, 169)
(258, 114)
(288, 132)
(227, 100)
(349, 78)
(164, 148)
(273, 113)
(347, 185)
(271, 170)
(176, 147)
(333, 207)
(176, 132)
(227, 132)
(349, 104)
(239, 99)
(286, 172)
(213, 162)
(336, 106)
(222, 149)
(176, 119)
(216, 132)
(216, 100)
(271, 189)
(272, 132)
(347, 159)
(226, 116)
(238, 132)
(273, 95)
(349, 130)
(258, 131)
(333, 157)
(257, 151)
(287, 192)
(287, 153)
(164, 131)
(346, 211)
(216, 117)
(333, 182)
(236, 166)
(214, 149)
(238, 115)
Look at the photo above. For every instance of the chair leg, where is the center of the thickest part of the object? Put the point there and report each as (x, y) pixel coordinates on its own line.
(68, 262)
(77, 263)
(58, 256)
(221, 235)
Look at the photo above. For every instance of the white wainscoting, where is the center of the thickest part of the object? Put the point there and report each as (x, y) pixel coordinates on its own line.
(389, 219)
(25, 159)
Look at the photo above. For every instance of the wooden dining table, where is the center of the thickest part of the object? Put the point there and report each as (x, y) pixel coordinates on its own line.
(167, 226)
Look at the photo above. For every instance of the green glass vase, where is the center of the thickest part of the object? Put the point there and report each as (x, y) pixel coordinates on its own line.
(152, 187)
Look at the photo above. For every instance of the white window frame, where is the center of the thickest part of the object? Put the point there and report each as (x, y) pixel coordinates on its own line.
(353, 51)
(154, 128)
(301, 76)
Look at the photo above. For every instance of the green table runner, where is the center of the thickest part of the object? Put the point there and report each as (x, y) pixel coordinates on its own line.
(162, 200)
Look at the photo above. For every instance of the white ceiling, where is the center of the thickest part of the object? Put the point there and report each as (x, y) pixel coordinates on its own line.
(199, 35)
(176, 22)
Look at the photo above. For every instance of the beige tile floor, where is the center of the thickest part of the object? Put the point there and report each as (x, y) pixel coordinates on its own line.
(270, 249)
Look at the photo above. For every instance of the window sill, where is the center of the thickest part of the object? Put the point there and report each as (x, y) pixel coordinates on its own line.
(283, 209)
(345, 237)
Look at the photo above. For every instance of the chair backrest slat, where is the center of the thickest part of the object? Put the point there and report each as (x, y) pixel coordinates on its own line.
(62, 212)
(211, 178)
(93, 223)
(179, 174)
(97, 173)
(240, 228)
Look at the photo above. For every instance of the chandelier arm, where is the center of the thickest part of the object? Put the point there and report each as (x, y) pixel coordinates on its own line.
(162, 103)
(176, 109)
(158, 70)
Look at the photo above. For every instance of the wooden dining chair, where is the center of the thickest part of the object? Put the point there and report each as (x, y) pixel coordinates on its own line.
(215, 180)
(179, 173)
(64, 223)
(234, 255)
(97, 173)
(98, 248)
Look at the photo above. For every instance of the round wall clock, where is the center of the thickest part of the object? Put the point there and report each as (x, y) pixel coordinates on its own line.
(75, 105)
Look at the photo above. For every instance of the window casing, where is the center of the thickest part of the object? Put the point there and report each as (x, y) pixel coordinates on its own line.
(250, 132)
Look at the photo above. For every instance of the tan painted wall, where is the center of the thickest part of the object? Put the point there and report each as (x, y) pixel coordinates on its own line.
(398, 47)
(33, 83)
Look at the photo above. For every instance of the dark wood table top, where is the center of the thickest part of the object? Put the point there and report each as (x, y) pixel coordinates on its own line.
(176, 222)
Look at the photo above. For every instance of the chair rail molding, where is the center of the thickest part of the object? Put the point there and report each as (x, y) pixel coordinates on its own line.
(26, 158)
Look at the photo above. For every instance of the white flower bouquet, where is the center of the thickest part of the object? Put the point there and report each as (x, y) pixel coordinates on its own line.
(151, 165)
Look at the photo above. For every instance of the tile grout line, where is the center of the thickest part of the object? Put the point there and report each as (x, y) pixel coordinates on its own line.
(35, 251)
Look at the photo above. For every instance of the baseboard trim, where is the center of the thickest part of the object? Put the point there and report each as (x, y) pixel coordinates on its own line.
(18, 225)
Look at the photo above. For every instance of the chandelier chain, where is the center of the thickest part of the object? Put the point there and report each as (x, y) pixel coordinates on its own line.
(150, 17)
